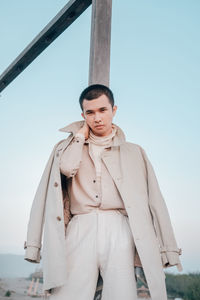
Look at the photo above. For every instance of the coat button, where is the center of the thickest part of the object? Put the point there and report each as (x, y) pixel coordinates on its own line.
(55, 184)
(25, 245)
(58, 218)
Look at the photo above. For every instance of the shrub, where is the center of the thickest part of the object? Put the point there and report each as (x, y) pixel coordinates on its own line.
(8, 294)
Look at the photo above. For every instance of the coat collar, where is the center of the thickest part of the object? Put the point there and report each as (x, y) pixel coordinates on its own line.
(75, 126)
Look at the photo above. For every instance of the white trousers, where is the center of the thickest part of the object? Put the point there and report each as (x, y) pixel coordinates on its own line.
(98, 241)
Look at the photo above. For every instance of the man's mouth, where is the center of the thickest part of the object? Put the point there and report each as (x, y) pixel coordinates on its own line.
(99, 126)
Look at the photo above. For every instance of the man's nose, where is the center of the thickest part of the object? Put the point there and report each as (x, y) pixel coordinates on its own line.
(97, 117)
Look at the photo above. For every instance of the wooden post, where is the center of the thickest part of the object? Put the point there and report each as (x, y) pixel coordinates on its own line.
(29, 293)
(99, 69)
(36, 287)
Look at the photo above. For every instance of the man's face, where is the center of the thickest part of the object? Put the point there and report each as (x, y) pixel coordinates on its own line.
(98, 114)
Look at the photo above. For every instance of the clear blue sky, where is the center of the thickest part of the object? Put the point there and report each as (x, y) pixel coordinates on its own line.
(155, 63)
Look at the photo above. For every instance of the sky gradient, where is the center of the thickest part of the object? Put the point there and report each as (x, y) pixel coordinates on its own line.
(155, 77)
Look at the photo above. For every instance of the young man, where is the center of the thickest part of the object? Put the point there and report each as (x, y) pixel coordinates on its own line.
(101, 207)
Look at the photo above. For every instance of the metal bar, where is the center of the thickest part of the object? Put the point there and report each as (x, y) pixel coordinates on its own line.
(70, 12)
(99, 70)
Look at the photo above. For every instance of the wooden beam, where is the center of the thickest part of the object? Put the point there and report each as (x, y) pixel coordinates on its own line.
(71, 11)
(99, 70)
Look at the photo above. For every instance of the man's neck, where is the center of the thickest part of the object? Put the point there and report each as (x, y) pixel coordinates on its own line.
(102, 140)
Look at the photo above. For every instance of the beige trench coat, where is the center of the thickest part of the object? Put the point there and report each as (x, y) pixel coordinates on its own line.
(148, 216)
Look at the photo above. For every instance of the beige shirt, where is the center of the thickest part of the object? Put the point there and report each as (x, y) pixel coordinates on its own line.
(86, 190)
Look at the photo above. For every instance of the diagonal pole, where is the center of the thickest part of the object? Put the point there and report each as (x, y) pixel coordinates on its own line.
(70, 12)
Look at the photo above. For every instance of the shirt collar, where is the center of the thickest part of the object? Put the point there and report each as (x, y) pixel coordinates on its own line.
(74, 127)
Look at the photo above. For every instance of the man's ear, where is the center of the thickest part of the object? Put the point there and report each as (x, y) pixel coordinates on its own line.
(82, 114)
(114, 109)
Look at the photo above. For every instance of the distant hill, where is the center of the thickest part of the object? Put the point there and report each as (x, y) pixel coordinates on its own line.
(12, 265)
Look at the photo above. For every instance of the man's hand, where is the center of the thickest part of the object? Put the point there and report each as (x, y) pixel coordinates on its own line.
(85, 130)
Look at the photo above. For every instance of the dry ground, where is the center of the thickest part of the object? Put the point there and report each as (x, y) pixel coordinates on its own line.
(18, 288)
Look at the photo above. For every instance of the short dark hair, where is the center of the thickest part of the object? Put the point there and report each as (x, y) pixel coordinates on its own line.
(94, 91)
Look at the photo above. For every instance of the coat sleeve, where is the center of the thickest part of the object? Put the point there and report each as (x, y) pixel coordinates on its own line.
(161, 219)
(36, 220)
(71, 156)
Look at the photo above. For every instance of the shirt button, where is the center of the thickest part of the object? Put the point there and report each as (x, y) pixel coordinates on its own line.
(55, 184)
(94, 181)
(58, 218)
